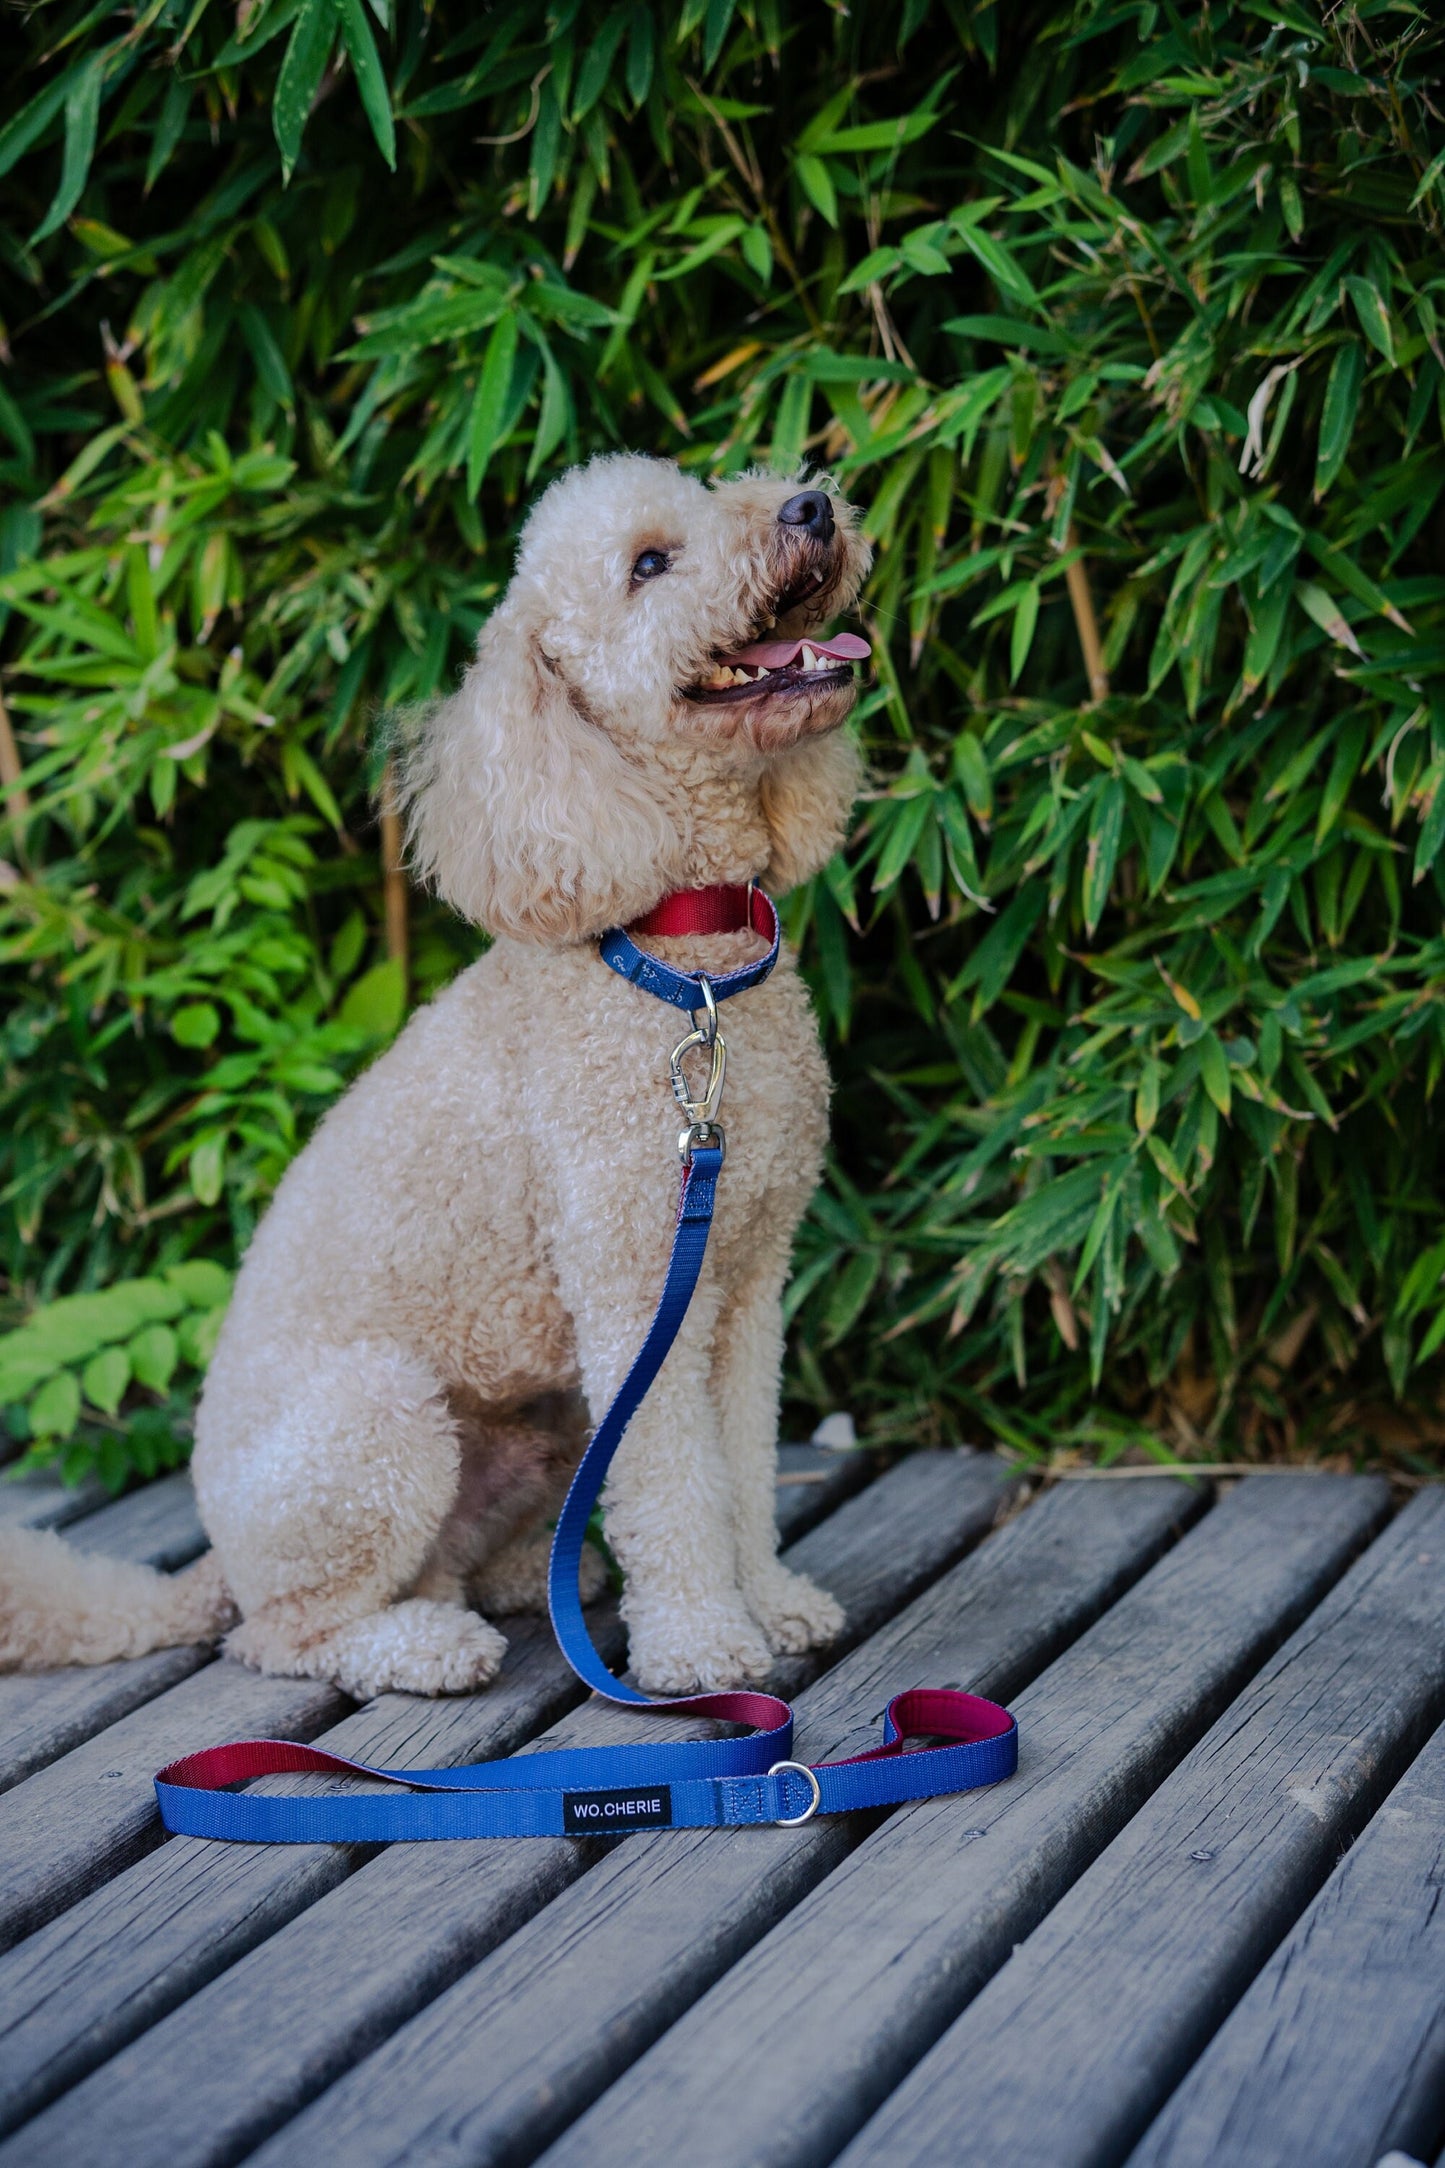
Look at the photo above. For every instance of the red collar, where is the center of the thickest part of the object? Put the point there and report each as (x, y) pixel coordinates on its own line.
(724, 909)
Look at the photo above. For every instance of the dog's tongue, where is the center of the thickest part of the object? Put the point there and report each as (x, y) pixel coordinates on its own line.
(777, 654)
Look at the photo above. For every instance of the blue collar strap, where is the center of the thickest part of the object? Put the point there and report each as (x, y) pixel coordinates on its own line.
(597, 1791)
(683, 989)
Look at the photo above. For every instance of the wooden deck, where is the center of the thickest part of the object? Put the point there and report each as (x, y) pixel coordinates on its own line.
(1201, 1927)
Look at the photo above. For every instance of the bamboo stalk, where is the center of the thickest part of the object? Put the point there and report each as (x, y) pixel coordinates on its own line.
(1076, 579)
(393, 876)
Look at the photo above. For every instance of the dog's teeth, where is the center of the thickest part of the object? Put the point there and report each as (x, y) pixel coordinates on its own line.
(740, 677)
(810, 660)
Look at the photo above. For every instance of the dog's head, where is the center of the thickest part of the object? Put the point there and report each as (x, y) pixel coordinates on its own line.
(656, 632)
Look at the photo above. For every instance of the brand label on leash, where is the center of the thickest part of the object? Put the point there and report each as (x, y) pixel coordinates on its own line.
(585, 1814)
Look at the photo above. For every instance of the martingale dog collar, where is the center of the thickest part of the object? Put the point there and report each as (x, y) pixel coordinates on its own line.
(724, 909)
(585, 1791)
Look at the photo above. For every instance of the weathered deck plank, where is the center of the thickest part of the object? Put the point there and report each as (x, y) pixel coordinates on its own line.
(44, 1714)
(1357, 1986)
(497, 2004)
(812, 1480)
(43, 1501)
(79, 1988)
(577, 1994)
(157, 1525)
(128, 1954)
(910, 1925)
(320, 1992)
(78, 1821)
(1163, 1934)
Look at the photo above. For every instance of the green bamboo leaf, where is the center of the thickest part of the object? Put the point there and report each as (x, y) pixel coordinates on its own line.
(307, 53)
(1026, 617)
(271, 370)
(640, 59)
(1325, 611)
(991, 965)
(901, 832)
(1434, 1335)
(30, 123)
(553, 417)
(816, 183)
(1268, 616)
(82, 117)
(876, 135)
(1344, 767)
(1214, 1070)
(1373, 315)
(370, 81)
(1351, 575)
(1106, 828)
(1007, 275)
(1342, 405)
(208, 1168)
(1142, 780)
(970, 765)
(849, 1292)
(1099, 1227)
(1428, 179)
(597, 62)
(719, 19)
(490, 399)
(1432, 825)
(169, 128)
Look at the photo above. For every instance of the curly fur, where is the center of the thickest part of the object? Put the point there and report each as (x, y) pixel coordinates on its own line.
(466, 1256)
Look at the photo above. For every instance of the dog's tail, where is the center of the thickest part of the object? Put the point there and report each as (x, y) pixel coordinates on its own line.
(62, 1606)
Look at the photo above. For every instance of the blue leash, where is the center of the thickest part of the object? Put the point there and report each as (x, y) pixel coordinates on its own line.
(693, 1784)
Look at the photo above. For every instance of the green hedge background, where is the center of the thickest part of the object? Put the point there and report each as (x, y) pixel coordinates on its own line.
(1125, 322)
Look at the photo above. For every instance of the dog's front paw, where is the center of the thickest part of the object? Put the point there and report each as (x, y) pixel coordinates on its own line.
(413, 1647)
(424, 1648)
(704, 1649)
(793, 1612)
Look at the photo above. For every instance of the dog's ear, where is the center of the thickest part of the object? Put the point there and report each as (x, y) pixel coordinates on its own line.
(807, 798)
(521, 812)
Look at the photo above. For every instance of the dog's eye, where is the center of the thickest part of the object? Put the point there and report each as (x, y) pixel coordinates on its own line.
(650, 565)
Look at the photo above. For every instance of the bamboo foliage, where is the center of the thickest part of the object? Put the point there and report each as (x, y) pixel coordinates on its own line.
(1124, 323)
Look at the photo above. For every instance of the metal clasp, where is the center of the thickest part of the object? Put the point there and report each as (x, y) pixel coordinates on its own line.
(701, 1107)
(698, 1106)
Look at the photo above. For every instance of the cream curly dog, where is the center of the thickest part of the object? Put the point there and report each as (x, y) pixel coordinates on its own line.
(467, 1254)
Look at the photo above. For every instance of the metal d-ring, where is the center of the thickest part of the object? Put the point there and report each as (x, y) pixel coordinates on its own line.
(698, 1134)
(796, 1821)
(708, 1026)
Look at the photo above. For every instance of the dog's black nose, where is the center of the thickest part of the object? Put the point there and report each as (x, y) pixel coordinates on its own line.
(811, 510)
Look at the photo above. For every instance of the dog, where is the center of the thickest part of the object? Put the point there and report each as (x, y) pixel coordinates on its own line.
(464, 1260)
